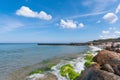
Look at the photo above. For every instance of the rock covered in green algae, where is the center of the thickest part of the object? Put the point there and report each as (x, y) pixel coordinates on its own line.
(88, 63)
(38, 71)
(67, 70)
(89, 59)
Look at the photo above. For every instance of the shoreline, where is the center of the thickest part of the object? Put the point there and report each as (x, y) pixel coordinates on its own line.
(21, 73)
(31, 54)
(77, 63)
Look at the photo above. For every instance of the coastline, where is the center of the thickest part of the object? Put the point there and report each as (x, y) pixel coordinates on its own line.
(81, 65)
(21, 73)
(77, 63)
(15, 56)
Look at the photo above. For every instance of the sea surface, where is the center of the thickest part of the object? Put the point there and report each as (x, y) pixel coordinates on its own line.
(14, 56)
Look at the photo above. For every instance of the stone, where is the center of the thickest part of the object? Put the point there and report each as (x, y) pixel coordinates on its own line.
(110, 58)
(49, 76)
(107, 57)
(108, 68)
(94, 73)
(117, 69)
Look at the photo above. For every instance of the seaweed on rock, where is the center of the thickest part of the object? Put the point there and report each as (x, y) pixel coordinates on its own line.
(68, 70)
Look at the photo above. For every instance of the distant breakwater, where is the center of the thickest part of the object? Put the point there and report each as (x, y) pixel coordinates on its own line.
(66, 44)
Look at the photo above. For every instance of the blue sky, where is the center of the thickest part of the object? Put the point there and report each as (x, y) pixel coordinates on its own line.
(58, 20)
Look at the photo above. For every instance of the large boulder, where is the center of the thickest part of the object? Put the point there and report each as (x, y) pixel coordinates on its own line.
(94, 73)
(107, 57)
(108, 68)
(112, 59)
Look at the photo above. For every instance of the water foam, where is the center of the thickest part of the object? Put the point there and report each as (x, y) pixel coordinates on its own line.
(78, 64)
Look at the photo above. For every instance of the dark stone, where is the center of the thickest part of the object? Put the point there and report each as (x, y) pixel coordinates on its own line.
(94, 73)
(108, 68)
(117, 69)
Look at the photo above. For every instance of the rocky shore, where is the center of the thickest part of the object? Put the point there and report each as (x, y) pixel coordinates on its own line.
(106, 67)
(97, 65)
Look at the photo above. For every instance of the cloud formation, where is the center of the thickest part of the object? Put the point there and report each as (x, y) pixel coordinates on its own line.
(117, 9)
(81, 25)
(70, 24)
(27, 12)
(110, 18)
(87, 15)
(9, 25)
(110, 33)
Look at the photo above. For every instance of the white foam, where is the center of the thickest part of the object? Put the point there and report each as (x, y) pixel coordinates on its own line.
(94, 48)
(35, 77)
(78, 65)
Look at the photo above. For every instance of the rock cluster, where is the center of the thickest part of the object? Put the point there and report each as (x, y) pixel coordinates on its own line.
(111, 46)
(107, 67)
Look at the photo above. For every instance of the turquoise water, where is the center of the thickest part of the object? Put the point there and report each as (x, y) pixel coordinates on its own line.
(15, 56)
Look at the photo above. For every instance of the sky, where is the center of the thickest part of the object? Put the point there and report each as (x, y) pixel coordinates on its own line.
(58, 20)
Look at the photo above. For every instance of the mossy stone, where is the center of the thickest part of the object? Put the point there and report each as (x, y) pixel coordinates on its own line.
(38, 71)
(68, 70)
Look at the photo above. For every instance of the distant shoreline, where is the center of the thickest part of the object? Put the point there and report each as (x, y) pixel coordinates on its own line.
(66, 44)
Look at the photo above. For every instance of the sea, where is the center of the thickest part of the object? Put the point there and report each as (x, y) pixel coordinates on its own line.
(14, 56)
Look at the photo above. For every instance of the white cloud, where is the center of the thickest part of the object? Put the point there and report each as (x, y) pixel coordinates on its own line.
(110, 33)
(105, 32)
(118, 9)
(27, 12)
(70, 24)
(81, 25)
(110, 17)
(117, 32)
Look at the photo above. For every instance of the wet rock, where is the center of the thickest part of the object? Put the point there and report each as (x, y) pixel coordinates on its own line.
(49, 76)
(108, 68)
(94, 73)
(117, 69)
(110, 58)
(107, 57)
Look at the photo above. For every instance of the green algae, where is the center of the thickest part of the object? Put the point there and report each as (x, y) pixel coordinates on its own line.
(68, 70)
(88, 57)
(38, 71)
(88, 63)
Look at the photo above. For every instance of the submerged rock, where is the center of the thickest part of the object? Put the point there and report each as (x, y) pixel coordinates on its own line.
(47, 76)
